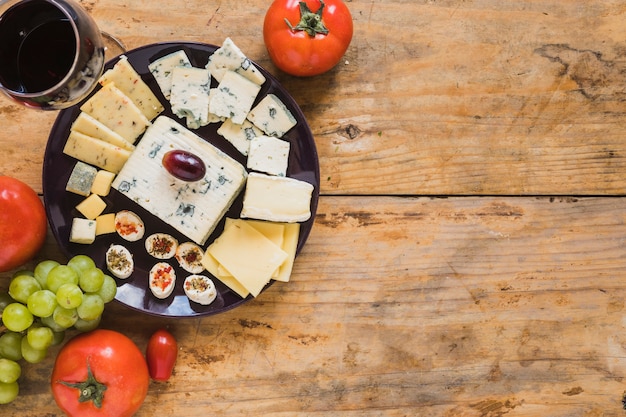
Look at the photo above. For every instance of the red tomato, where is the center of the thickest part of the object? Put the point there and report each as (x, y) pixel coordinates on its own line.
(23, 223)
(161, 355)
(103, 368)
(306, 38)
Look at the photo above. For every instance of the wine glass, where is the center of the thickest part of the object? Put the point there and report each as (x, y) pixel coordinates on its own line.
(52, 52)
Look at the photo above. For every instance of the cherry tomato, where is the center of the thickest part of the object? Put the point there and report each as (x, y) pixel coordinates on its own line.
(306, 38)
(23, 223)
(161, 355)
(100, 373)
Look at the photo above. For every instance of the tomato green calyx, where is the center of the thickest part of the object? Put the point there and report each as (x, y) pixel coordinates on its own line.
(90, 389)
(310, 22)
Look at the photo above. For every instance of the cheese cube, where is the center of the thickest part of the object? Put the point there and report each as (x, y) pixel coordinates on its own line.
(239, 135)
(102, 182)
(279, 199)
(124, 76)
(190, 95)
(234, 97)
(92, 206)
(161, 70)
(105, 224)
(115, 110)
(250, 257)
(269, 154)
(95, 152)
(272, 116)
(83, 231)
(193, 208)
(81, 179)
(230, 58)
(89, 126)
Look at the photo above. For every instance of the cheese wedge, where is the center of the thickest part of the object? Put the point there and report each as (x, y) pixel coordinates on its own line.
(115, 110)
(162, 68)
(124, 76)
(88, 125)
(95, 152)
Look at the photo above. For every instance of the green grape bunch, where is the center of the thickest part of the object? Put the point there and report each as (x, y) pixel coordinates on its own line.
(40, 306)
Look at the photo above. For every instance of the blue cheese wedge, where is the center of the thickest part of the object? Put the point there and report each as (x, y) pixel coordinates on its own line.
(272, 116)
(83, 231)
(239, 135)
(269, 154)
(190, 95)
(192, 208)
(230, 58)
(111, 107)
(81, 179)
(124, 76)
(89, 126)
(200, 289)
(278, 199)
(162, 68)
(234, 97)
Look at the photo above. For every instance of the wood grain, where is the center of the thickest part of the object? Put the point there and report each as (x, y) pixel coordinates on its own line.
(412, 306)
(433, 98)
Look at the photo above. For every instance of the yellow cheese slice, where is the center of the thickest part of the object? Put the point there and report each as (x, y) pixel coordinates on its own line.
(91, 207)
(88, 125)
(210, 264)
(115, 110)
(250, 257)
(124, 76)
(290, 244)
(96, 152)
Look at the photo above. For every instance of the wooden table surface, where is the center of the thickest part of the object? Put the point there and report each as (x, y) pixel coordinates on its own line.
(469, 250)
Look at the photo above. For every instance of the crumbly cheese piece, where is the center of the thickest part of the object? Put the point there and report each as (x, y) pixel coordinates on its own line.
(269, 154)
(115, 110)
(161, 70)
(230, 58)
(95, 152)
(279, 199)
(83, 231)
(190, 95)
(234, 97)
(105, 224)
(89, 126)
(250, 257)
(272, 116)
(124, 76)
(239, 135)
(193, 208)
(102, 182)
(92, 206)
(81, 179)
(213, 118)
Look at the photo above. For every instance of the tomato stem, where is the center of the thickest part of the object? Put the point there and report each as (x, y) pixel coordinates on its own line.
(90, 389)
(310, 22)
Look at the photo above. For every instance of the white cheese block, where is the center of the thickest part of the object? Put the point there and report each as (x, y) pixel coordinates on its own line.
(234, 97)
(161, 70)
(279, 199)
(193, 208)
(89, 126)
(124, 76)
(81, 179)
(239, 135)
(272, 116)
(83, 231)
(269, 154)
(115, 110)
(230, 58)
(190, 95)
(250, 257)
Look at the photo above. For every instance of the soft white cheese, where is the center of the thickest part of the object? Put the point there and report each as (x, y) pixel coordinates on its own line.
(272, 116)
(269, 154)
(200, 289)
(190, 95)
(162, 279)
(234, 97)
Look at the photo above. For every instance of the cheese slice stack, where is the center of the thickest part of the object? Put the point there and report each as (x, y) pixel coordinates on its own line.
(192, 208)
(249, 253)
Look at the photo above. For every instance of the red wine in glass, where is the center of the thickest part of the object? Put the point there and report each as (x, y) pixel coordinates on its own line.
(51, 52)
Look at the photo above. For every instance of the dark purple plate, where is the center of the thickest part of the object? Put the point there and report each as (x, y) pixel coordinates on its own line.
(134, 291)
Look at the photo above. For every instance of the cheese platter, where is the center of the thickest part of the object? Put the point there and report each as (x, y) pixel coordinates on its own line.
(219, 211)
